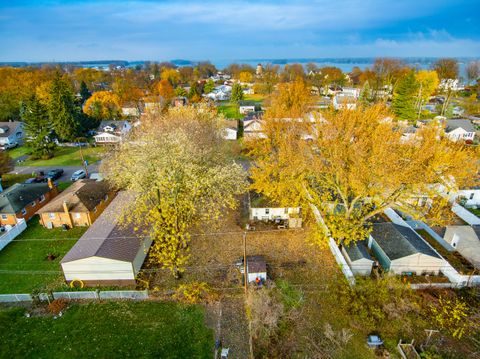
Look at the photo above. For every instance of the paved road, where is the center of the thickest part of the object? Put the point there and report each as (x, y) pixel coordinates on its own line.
(66, 175)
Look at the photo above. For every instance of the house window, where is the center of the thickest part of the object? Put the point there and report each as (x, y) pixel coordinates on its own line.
(4, 216)
(472, 195)
(24, 211)
(51, 215)
(34, 203)
(77, 215)
(42, 198)
(267, 210)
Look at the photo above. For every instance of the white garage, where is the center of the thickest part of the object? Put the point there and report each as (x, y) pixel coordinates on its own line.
(108, 253)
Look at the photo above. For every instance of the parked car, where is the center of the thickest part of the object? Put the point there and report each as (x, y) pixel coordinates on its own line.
(8, 146)
(55, 174)
(78, 175)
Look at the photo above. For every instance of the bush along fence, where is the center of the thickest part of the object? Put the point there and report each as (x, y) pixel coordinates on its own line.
(81, 295)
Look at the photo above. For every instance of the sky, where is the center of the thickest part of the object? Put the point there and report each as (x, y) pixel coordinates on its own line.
(80, 30)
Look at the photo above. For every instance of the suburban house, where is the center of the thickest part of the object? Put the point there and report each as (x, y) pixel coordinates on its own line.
(351, 91)
(110, 252)
(459, 130)
(79, 205)
(112, 132)
(341, 102)
(220, 93)
(11, 133)
(357, 256)
(399, 249)
(466, 240)
(252, 127)
(262, 210)
(470, 197)
(256, 269)
(246, 107)
(24, 200)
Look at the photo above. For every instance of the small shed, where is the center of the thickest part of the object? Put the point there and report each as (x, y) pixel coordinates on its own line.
(256, 268)
(357, 256)
(400, 249)
(109, 253)
(246, 107)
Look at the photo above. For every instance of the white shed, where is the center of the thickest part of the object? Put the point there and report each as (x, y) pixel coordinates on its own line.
(358, 258)
(108, 253)
(256, 268)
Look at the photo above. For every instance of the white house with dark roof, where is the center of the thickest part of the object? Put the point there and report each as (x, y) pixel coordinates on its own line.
(344, 102)
(110, 132)
(109, 253)
(460, 130)
(357, 256)
(399, 249)
(11, 133)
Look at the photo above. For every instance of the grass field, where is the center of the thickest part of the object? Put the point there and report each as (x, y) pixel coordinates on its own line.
(9, 179)
(18, 152)
(108, 330)
(24, 266)
(68, 156)
(229, 110)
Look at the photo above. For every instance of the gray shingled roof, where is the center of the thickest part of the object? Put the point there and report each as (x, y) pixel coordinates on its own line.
(454, 124)
(357, 250)
(399, 241)
(106, 238)
(8, 128)
(256, 264)
(18, 196)
(82, 196)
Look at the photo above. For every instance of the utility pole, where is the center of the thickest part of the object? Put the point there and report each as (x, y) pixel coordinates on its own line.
(83, 159)
(245, 261)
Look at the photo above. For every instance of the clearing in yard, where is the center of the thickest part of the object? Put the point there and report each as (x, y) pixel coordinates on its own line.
(69, 156)
(229, 110)
(108, 330)
(31, 261)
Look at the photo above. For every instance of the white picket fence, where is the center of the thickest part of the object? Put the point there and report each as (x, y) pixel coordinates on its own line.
(80, 295)
(12, 233)
(466, 215)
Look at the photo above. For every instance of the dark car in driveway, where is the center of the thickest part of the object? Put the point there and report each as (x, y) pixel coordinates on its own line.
(54, 174)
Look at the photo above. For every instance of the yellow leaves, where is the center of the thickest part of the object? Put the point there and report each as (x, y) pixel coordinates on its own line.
(290, 101)
(170, 75)
(245, 76)
(451, 315)
(103, 105)
(165, 89)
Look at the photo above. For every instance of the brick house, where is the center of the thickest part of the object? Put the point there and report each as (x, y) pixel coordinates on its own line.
(24, 200)
(79, 205)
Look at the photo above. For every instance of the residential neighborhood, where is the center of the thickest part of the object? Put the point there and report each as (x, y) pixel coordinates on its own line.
(311, 193)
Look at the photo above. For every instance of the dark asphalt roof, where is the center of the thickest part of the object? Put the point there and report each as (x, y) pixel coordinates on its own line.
(399, 241)
(16, 197)
(82, 196)
(256, 264)
(7, 128)
(465, 124)
(357, 250)
(106, 238)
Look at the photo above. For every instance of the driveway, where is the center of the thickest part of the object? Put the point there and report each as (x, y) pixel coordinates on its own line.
(68, 170)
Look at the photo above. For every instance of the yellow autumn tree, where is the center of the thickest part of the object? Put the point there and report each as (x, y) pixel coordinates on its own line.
(291, 100)
(171, 75)
(103, 105)
(353, 164)
(165, 89)
(427, 84)
(174, 165)
(245, 76)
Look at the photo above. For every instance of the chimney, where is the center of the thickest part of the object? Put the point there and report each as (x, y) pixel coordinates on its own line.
(50, 184)
(65, 207)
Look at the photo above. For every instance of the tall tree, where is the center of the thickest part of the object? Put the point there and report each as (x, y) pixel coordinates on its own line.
(446, 68)
(427, 84)
(237, 93)
(61, 109)
(357, 165)
(404, 97)
(180, 178)
(84, 91)
(473, 71)
(103, 105)
(291, 100)
(209, 86)
(38, 128)
(165, 89)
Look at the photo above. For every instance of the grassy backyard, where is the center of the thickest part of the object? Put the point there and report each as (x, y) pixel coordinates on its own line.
(229, 110)
(109, 329)
(68, 156)
(475, 211)
(24, 266)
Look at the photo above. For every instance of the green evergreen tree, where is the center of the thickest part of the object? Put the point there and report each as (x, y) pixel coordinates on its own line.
(180, 91)
(84, 92)
(38, 128)
(62, 110)
(403, 103)
(365, 95)
(237, 93)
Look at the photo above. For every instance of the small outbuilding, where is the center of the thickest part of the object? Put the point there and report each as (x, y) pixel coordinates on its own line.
(256, 269)
(109, 253)
(357, 256)
(400, 249)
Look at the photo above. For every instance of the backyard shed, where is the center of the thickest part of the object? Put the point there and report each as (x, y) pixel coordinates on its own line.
(109, 253)
(256, 268)
(399, 249)
(357, 256)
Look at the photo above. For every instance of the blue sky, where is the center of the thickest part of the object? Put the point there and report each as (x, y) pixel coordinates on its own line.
(194, 29)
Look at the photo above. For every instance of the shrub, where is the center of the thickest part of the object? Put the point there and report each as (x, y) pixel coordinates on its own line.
(194, 292)
(57, 305)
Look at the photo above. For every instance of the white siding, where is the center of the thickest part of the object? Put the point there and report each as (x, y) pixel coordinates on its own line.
(272, 213)
(97, 268)
(417, 263)
(142, 253)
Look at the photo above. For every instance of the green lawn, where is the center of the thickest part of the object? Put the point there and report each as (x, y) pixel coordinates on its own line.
(108, 330)
(18, 152)
(229, 110)
(475, 211)
(68, 156)
(24, 266)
